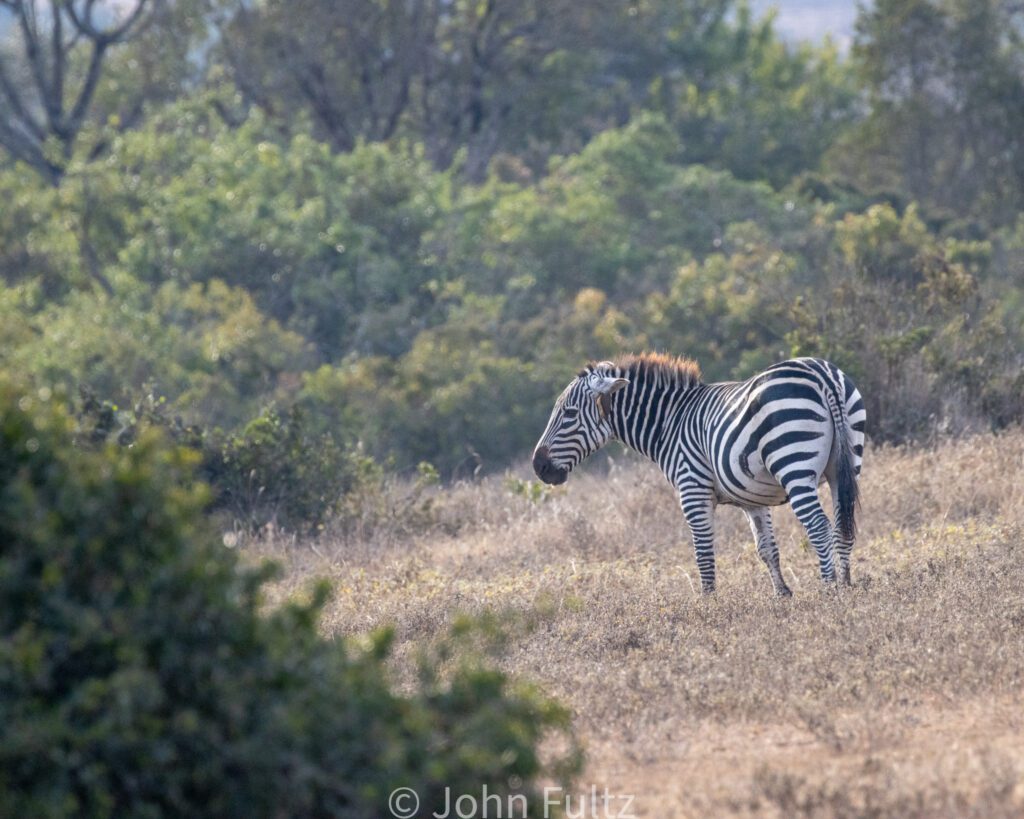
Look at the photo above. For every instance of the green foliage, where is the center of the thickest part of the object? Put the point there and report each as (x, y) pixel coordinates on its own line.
(279, 469)
(732, 310)
(453, 400)
(323, 243)
(774, 114)
(207, 347)
(468, 394)
(276, 470)
(883, 246)
(946, 103)
(573, 181)
(533, 491)
(907, 315)
(138, 677)
(433, 321)
(622, 212)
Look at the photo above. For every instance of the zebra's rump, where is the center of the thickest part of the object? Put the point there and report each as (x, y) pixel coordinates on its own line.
(777, 430)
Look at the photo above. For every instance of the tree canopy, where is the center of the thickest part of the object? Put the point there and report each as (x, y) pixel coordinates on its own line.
(390, 232)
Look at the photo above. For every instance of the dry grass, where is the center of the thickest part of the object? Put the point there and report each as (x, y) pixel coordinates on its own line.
(899, 697)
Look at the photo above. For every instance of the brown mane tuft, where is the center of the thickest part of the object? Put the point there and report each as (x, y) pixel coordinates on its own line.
(683, 372)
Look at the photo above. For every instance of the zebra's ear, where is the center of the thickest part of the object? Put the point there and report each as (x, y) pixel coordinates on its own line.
(607, 384)
(604, 387)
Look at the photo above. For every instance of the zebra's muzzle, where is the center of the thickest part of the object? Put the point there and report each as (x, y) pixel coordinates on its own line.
(545, 468)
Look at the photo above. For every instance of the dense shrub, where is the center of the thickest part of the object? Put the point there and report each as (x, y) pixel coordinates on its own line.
(138, 677)
(278, 470)
(207, 347)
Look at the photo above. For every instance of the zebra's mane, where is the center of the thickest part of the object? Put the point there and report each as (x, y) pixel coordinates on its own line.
(677, 370)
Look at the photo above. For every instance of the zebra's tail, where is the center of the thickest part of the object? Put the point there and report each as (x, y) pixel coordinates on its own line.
(846, 488)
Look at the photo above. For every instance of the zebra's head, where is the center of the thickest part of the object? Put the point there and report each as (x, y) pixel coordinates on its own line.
(579, 423)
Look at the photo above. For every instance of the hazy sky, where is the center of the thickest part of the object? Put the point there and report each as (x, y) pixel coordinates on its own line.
(812, 19)
(796, 19)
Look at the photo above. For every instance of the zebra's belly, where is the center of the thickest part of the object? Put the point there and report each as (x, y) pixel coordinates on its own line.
(761, 490)
(758, 486)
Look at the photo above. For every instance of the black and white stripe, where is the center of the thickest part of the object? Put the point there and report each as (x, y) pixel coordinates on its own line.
(771, 439)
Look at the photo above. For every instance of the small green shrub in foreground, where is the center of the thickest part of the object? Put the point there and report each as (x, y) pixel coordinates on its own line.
(139, 678)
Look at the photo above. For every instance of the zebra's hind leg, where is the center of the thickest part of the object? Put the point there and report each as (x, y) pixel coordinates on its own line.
(699, 509)
(804, 500)
(760, 519)
(840, 545)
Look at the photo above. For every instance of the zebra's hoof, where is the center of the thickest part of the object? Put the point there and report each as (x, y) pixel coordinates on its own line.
(783, 592)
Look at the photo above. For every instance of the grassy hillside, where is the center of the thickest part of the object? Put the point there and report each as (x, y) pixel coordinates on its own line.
(899, 697)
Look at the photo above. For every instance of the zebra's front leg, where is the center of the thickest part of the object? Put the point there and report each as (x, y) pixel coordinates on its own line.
(804, 500)
(760, 519)
(699, 509)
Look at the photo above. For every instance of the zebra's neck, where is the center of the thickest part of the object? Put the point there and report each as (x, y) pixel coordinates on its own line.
(646, 415)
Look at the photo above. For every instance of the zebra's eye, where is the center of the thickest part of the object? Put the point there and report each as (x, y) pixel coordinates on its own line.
(570, 412)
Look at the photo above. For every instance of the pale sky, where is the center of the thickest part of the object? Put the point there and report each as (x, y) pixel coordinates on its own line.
(796, 19)
(812, 19)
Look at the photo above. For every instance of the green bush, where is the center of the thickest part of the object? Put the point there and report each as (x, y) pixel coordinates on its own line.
(278, 470)
(209, 349)
(139, 678)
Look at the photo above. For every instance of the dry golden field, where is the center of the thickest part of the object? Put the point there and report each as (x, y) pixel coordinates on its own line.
(903, 696)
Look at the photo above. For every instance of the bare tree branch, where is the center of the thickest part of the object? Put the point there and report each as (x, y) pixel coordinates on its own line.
(57, 50)
(30, 44)
(118, 33)
(92, 262)
(82, 21)
(22, 115)
(92, 77)
(48, 106)
(27, 150)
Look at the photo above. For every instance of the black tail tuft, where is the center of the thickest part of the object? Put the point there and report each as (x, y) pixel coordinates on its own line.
(846, 488)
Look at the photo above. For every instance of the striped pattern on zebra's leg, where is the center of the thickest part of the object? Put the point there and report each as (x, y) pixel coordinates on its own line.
(804, 500)
(699, 511)
(760, 519)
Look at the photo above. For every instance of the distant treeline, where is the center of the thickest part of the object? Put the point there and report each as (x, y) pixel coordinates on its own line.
(390, 232)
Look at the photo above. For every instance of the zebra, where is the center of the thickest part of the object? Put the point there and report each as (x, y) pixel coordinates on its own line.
(755, 444)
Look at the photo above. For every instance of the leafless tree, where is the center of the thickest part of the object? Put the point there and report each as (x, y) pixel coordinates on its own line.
(50, 68)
